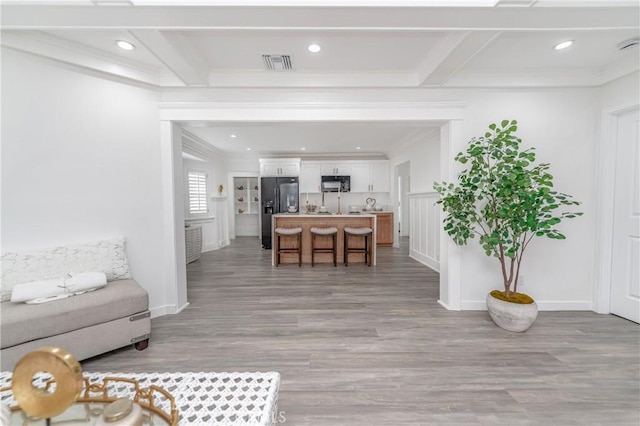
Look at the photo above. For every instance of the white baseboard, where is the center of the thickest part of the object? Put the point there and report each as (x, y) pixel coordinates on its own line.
(217, 246)
(425, 260)
(565, 305)
(543, 305)
(182, 308)
(444, 305)
(160, 311)
(208, 247)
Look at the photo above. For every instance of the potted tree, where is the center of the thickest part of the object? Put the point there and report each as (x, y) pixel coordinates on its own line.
(506, 200)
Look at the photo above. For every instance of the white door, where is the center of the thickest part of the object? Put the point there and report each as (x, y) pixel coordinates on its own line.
(625, 276)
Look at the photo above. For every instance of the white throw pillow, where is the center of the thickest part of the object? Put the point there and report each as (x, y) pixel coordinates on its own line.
(108, 256)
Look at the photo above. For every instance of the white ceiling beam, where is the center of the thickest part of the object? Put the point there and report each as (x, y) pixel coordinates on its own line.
(319, 18)
(61, 50)
(177, 53)
(450, 54)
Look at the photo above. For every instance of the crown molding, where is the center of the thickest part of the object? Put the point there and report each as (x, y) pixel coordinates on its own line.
(199, 146)
(490, 78)
(626, 65)
(260, 79)
(51, 47)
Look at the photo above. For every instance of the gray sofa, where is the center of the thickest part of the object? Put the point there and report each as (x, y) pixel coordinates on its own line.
(85, 325)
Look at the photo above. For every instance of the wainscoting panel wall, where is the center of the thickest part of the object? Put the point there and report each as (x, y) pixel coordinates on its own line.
(424, 229)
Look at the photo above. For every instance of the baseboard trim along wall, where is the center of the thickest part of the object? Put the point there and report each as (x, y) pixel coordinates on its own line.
(160, 311)
(543, 305)
(444, 305)
(425, 260)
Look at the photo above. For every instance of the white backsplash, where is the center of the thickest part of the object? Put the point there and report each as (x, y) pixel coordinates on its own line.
(346, 199)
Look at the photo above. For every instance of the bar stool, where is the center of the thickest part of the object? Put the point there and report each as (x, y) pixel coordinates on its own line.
(358, 232)
(280, 232)
(324, 232)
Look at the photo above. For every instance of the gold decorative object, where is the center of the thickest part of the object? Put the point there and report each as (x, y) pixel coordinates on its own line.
(241, 199)
(67, 375)
(145, 397)
(220, 189)
(67, 387)
(240, 211)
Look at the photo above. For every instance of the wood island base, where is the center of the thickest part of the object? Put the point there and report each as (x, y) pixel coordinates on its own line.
(307, 221)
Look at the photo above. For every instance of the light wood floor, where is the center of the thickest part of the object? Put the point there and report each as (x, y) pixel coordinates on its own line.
(371, 346)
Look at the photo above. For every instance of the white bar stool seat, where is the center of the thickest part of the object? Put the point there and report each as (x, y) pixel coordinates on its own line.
(331, 231)
(365, 232)
(280, 232)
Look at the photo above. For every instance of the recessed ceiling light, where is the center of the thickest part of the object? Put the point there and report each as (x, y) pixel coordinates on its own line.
(125, 45)
(357, 147)
(233, 136)
(314, 48)
(303, 149)
(248, 149)
(563, 45)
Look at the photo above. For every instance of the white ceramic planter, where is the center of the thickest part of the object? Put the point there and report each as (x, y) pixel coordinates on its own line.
(512, 316)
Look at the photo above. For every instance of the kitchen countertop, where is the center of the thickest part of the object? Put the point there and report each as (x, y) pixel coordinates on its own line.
(324, 214)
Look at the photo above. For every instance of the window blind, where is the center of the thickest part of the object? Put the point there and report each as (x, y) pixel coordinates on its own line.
(197, 192)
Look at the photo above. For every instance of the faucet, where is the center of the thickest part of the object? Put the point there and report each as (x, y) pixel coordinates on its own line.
(338, 212)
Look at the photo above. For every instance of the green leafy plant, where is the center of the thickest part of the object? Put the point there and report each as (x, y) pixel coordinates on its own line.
(504, 198)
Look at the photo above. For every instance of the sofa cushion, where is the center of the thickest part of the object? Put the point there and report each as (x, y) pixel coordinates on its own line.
(108, 256)
(21, 323)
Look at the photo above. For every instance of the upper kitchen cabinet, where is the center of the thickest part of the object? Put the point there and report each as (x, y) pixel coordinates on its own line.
(336, 169)
(289, 167)
(310, 177)
(372, 176)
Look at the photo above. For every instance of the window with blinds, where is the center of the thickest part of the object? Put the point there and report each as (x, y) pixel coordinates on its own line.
(197, 192)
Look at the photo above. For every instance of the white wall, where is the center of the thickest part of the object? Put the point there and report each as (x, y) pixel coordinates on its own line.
(424, 158)
(621, 92)
(563, 126)
(561, 123)
(60, 125)
(80, 162)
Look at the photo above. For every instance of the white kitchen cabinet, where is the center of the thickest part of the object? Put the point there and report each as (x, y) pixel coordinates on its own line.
(370, 177)
(360, 177)
(336, 169)
(380, 176)
(310, 177)
(289, 167)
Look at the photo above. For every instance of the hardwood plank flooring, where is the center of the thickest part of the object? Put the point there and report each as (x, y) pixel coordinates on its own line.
(371, 346)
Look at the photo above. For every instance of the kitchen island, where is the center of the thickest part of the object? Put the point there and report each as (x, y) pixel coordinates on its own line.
(307, 221)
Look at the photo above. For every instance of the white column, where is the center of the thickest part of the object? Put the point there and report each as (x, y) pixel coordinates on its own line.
(174, 262)
(450, 255)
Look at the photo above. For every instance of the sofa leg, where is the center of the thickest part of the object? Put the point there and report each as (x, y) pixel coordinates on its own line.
(142, 345)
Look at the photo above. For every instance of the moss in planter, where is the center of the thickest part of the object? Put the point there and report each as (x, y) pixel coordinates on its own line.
(520, 298)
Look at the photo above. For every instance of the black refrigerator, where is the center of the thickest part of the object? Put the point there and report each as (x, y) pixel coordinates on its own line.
(277, 194)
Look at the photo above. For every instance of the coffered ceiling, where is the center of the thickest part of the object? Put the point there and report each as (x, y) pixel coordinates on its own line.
(364, 43)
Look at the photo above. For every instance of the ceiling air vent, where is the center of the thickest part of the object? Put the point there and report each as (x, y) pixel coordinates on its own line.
(277, 62)
(630, 42)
